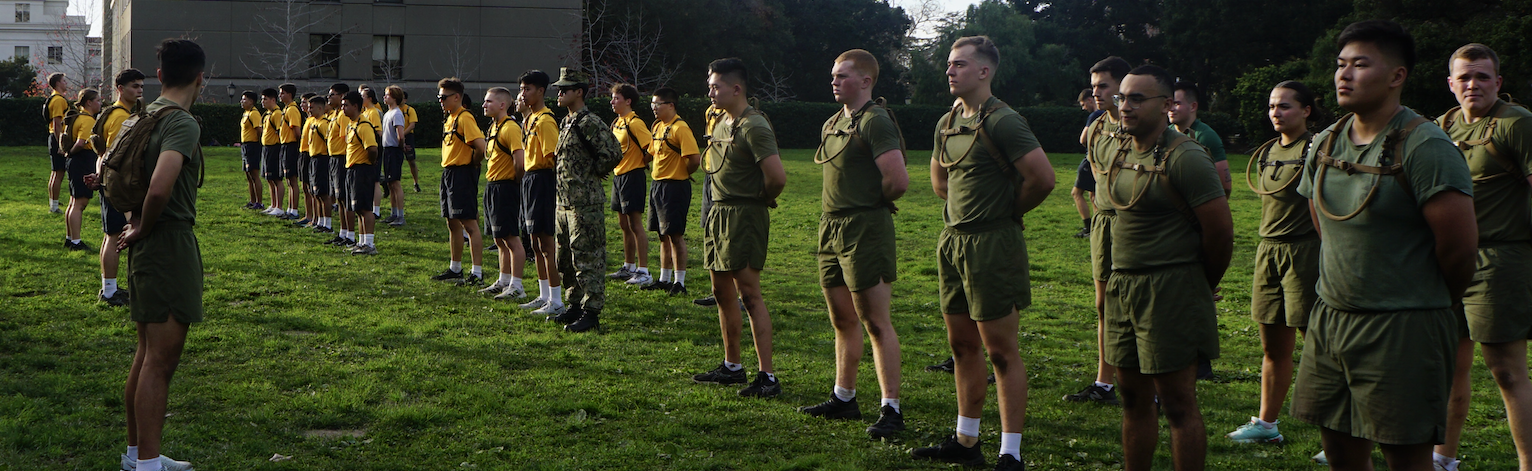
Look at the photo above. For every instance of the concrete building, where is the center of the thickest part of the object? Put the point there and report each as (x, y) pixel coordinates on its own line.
(50, 39)
(253, 44)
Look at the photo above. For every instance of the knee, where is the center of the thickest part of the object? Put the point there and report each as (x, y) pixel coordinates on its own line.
(1505, 377)
(845, 323)
(964, 349)
(1004, 361)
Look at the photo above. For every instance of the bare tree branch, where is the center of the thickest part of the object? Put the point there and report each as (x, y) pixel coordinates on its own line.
(285, 50)
(773, 84)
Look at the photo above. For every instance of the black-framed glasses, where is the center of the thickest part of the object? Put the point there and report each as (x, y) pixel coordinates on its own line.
(1133, 101)
(443, 97)
(658, 103)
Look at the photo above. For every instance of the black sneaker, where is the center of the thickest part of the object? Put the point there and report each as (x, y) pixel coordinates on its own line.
(834, 408)
(337, 240)
(763, 386)
(349, 243)
(590, 320)
(491, 248)
(571, 314)
(470, 280)
(1010, 463)
(721, 375)
(658, 285)
(1094, 393)
(1204, 369)
(74, 246)
(944, 366)
(249, 205)
(417, 188)
(448, 275)
(1083, 233)
(323, 230)
(705, 302)
(390, 218)
(677, 289)
(117, 299)
(889, 422)
(951, 451)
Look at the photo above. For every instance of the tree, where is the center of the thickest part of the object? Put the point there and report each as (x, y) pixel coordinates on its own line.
(284, 48)
(16, 77)
(624, 47)
(1028, 73)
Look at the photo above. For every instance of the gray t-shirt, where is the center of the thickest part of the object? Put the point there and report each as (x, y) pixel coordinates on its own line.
(394, 117)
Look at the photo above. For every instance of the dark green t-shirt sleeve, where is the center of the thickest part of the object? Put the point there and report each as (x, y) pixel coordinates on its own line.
(1212, 142)
(1306, 184)
(179, 133)
(1433, 165)
(762, 142)
(1513, 138)
(881, 134)
(1014, 137)
(1192, 174)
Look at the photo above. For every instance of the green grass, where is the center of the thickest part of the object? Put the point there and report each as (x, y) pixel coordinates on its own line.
(346, 362)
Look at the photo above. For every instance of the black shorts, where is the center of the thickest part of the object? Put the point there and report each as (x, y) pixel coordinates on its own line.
(56, 156)
(80, 164)
(250, 156)
(1085, 180)
(271, 162)
(363, 179)
(319, 175)
(459, 192)
(303, 169)
(112, 221)
(538, 191)
(409, 140)
(628, 192)
(290, 160)
(338, 179)
(669, 203)
(502, 208)
(393, 162)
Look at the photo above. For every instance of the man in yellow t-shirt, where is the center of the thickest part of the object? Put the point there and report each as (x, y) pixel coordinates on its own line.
(372, 113)
(58, 106)
(80, 160)
(537, 185)
(317, 135)
(250, 121)
(305, 164)
(130, 87)
(345, 235)
(410, 118)
(462, 150)
(271, 153)
(502, 196)
(361, 170)
(287, 130)
(676, 157)
(628, 189)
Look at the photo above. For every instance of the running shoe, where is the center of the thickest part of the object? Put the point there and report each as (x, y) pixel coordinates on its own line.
(496, 287)
(643, 280)
(448, 275)
(721, 375)
(677, 289)
(622, 273)
(889, 422)
(364, 249)
(763, 386)
(1253, 432)
(511, 292)
(1094, 393)
(706, 302)
(951, 451)
(944, 366)
(166, 463)
(834, 408)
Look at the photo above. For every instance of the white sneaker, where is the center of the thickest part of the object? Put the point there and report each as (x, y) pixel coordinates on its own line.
(1320, 459)
(495, 288)
(1449, 466)
(535, 303)
(166, 463)
(511, 292)
(550, 309)
(273, 211)
(640, 279)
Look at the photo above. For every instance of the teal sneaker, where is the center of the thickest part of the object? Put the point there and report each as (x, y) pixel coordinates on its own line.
(1254, 432)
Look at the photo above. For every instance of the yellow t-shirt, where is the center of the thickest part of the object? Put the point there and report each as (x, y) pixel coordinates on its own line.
(290, 121)
(316, 135)
(713, 115)
(634, 137)
(250, 126)
(409, 115)
(270, 135)
(668, 137)
(57, 107)
(504, 140)
(114, 122)
(303, 135)
(371, 115)
(82, 129)
(542, 140)
(359, 137)
(456, 147)
(336, 138)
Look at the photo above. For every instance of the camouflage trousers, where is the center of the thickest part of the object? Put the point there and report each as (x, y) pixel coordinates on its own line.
(581, 238)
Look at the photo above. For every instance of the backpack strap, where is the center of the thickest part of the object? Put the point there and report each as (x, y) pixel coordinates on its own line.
(1261, 160)
(982, 136)
(665, 138)
(629, 132)
(495, 136)
(1392, 160)
(1486, 140)
(733, 133)
(1159, 170)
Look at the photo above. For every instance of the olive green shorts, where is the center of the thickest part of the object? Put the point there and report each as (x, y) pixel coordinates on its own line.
(1286, 271)
(1498, 303)
(857, 250)
(735, 236)
(1101, 245)
(165, 271)
(1160, 320)
(1380, 376)
(983, 274)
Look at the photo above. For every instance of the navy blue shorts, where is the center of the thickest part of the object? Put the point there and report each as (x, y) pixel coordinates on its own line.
(460, 192)
(393, 163)
(338, 179)
(502, 208)
(250, 156)
(319, 175)
(1084, 178)
(363, 179)
(629, 192)
(290, 160)
(80, 164)
(55, 156)
(538, 193)
(112, 221)
(669, 203)
(271, 162)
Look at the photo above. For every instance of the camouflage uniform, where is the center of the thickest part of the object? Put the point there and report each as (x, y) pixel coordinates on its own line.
(581, 219)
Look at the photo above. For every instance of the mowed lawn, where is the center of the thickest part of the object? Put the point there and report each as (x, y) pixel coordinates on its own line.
(348, 362)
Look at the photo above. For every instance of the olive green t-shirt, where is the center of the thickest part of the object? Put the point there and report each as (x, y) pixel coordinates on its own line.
(979, 190)
(1285, 213)
(1153, 232)
(735, 155)
(852, 180)
(1102, 135)
(178, 132)
(1204, 135)
(1384, 259)
(1502, 203)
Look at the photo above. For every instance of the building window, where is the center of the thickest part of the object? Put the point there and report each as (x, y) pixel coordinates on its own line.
(325, 55)
(24, 52)
(55, 55)
(23, 13)
(386, 51)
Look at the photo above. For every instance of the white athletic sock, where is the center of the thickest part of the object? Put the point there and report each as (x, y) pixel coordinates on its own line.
(108, 286)
(514, 280)
(1010, 444)
(1446, 462)
(74, 241)
(504, 279)
(678, 277)
(733, 366)
(53, 205)
(555, 295)
(665, 275)
(894, 403)
(292, 211)
(644, 270)
(1105, 386)
(377, 210)
(477, 270)
(456, 266)
(366, 239)
(133, 453)
(770, 376)
(627, 266)
(1267, 425)
(845, 395)
(542, 289)
(968, 426)
(152, 464)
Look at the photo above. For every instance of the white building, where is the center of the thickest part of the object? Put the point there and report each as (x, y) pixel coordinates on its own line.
(50, 39)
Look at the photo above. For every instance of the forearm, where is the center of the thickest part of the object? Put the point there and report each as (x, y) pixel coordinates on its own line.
(894, 187)
(1217, 250)
(78, 144)
(1457, 264)
(1032, 194)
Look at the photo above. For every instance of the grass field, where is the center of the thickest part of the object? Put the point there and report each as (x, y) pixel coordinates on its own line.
(344, 362)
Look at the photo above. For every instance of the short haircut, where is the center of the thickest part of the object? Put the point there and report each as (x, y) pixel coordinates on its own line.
(55, 78)
(1474, 52)
(536, 78)
(395, 91)
(1194, 94)
(340, 89)
(731, 69)
(628, 91)
(503, 93)
(269, 92)
(1305, 97)
(370, 94)
(289, 89)
(667, 94)
(181, 61)
(862, 61)
(1085, 95)
(982, 46)
(353, 98)
(451, 84)
(1390, 39)
(128, 76)
(251, 95)
(87, 94)
(318, 100)
(1115, 66)
(1160, 76)
(307, 96)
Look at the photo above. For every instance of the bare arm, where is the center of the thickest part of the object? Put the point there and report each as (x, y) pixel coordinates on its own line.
(1451, 217)
(1083, 134)
(774, 178)
(938, 178)
(692, 162)
(478, 149)
(58, 126)
(1217, 238)
(78, 144)
(1037, 180)
(896, 178)
(372, 153)
(519, 162)
(1223, 175)
(166, 171)
(399, 132)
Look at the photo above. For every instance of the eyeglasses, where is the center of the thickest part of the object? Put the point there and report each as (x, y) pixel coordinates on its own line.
(660, 103)
(1133, 101)
(443, 97)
